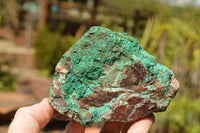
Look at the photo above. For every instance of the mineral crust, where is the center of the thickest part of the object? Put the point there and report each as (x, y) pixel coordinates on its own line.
(108, 76)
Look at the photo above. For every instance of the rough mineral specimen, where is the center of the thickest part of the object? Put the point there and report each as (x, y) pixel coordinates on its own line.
(108, 76)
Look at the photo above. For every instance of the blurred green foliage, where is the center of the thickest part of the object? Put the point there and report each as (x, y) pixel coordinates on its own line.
(176, 43)
(9, 13)
(182, 116)
(108, 24)
(0, 19)
(50, 46)
(8, 81)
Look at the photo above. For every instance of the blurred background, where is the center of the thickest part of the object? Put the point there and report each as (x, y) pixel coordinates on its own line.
(35, 33)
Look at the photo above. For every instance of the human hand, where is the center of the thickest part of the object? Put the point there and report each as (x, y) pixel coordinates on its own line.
(33, 118)
(140, 126)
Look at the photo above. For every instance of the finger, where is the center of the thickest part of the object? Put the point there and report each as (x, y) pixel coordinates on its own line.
(74, 127)
(140, 126)
(32, 118)
(112, 127)
(92, 130)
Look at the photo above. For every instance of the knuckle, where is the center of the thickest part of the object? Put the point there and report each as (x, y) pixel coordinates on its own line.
(22, 111)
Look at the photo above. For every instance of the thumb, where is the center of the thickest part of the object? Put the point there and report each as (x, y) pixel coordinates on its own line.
(32, 118)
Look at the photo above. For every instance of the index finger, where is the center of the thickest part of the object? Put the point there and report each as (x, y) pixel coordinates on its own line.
(141, 126)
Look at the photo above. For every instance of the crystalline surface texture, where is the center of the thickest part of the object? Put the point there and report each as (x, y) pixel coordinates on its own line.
(108, 76)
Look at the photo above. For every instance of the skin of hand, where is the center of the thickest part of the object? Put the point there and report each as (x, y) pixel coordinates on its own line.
(33, 118)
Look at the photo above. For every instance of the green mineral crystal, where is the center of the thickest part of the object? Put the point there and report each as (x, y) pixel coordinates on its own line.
(108, 76)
